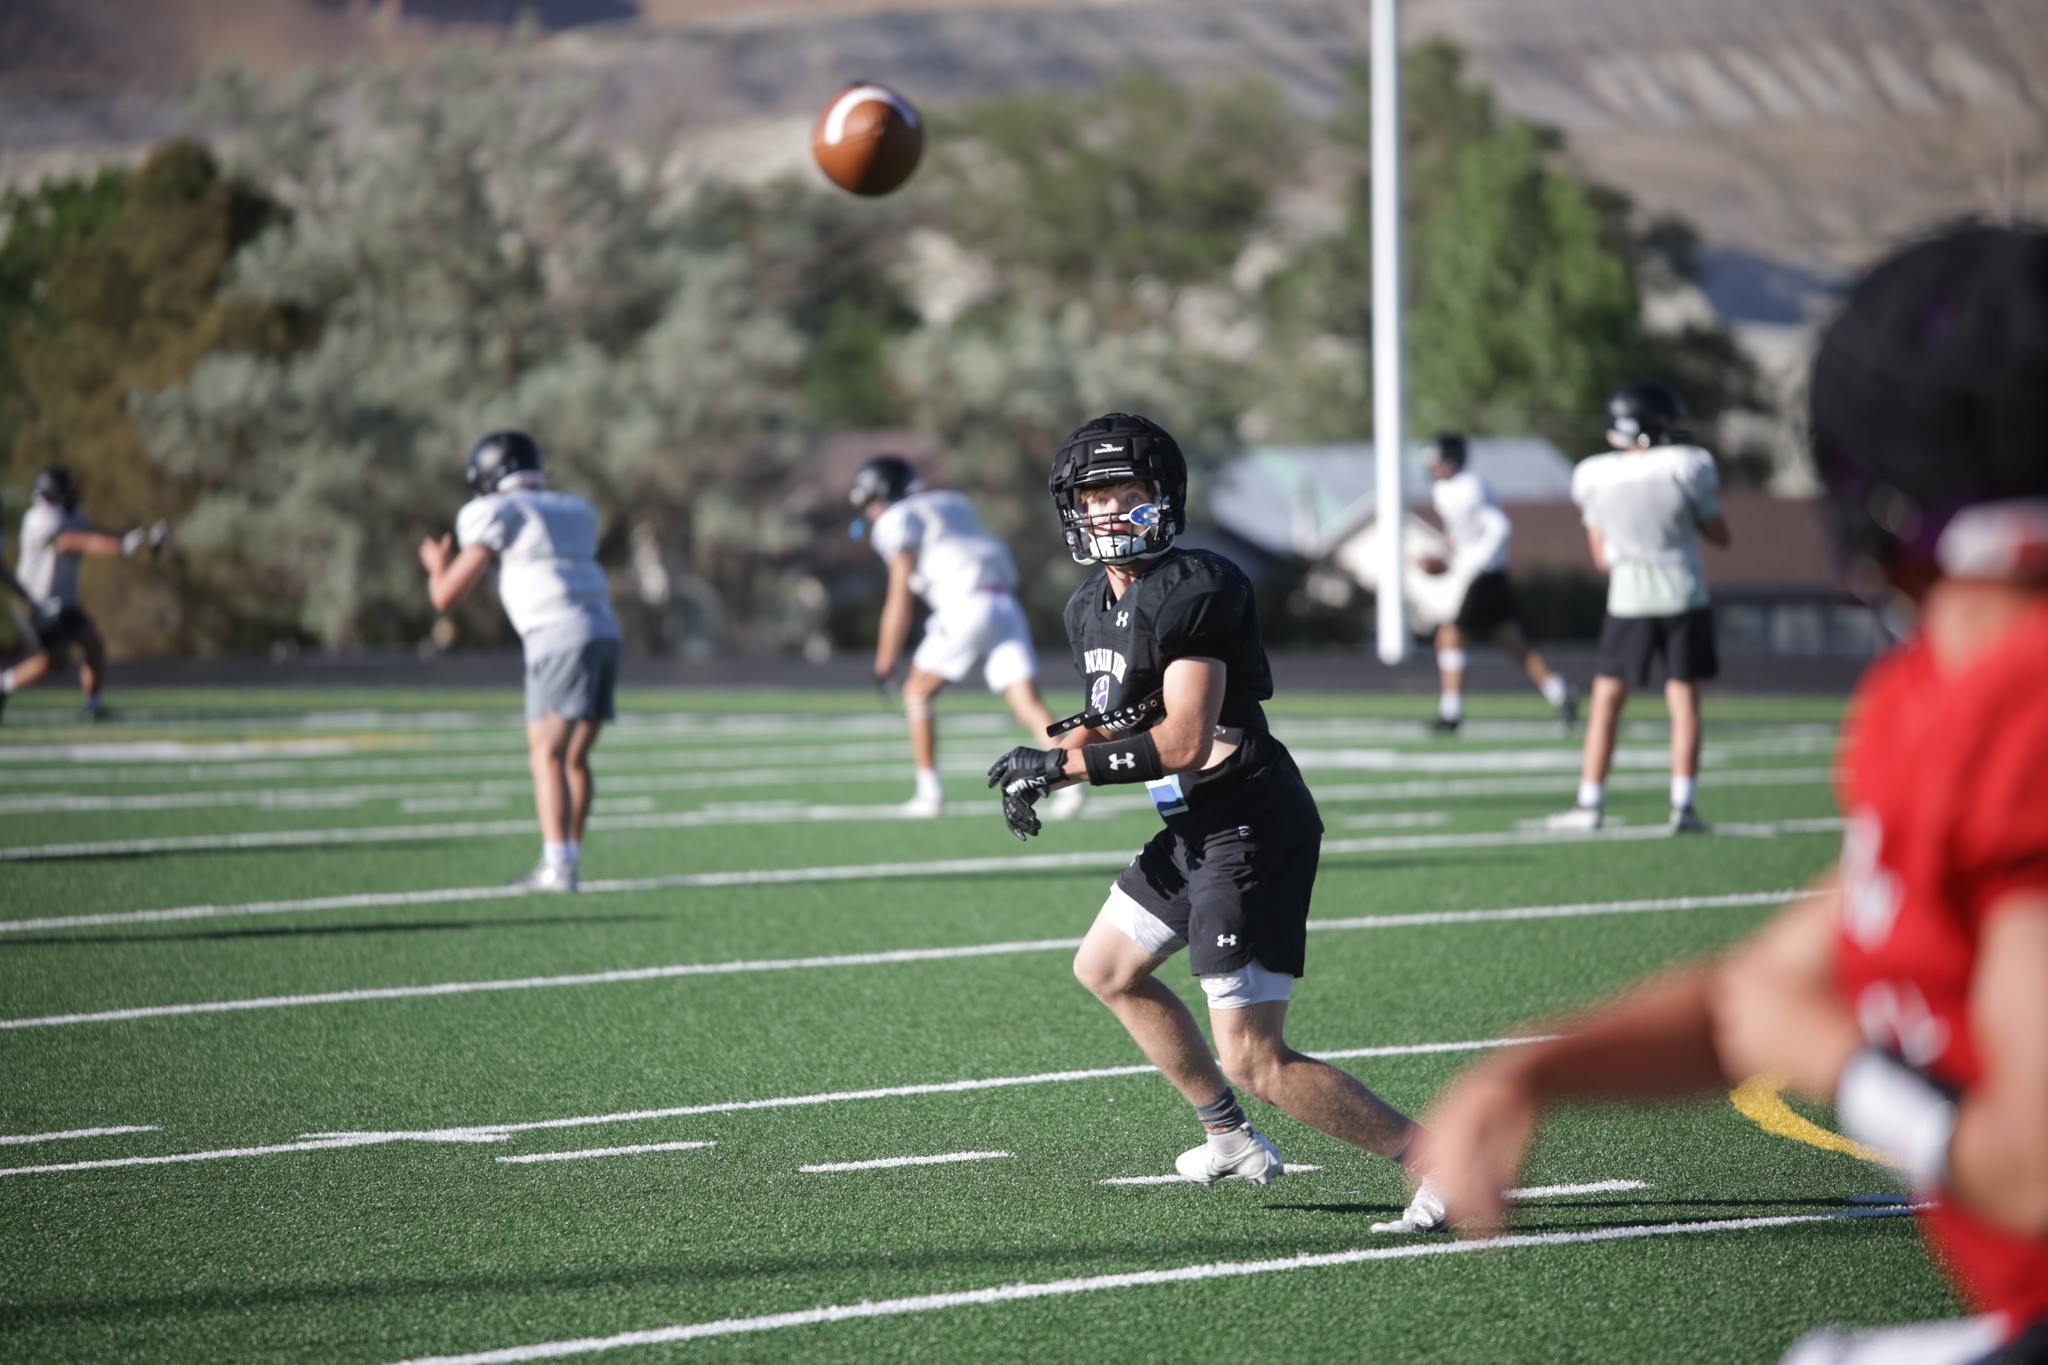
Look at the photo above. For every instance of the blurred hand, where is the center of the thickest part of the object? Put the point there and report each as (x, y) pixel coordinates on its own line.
(1474, 1139)
(435, 552)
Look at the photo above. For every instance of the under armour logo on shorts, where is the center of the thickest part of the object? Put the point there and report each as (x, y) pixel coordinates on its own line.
(1122, 761)
(1226, 940)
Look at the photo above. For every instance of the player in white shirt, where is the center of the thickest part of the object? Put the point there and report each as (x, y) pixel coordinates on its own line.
(936, 549)
(544, 545)
(1646, 508)
(55, 535)
(1479, 533)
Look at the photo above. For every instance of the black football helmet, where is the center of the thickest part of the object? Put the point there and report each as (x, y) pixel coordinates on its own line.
(1644, 408)
(1447, 447)
(1930, 395)
(497, 457)
(1119, 447)
(59, 487)
(886, 478)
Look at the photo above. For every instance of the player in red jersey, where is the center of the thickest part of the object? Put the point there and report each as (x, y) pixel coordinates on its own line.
(1911, 986)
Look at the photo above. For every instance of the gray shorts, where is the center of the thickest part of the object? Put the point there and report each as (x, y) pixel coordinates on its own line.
(576, 684)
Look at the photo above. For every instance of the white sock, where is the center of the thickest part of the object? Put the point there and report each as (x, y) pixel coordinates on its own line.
(1451, 705)
(572, 851)
(6, 682)
(928, 788)
(1593, 794)
(552, 853)
(1555, 689)
(1682, 792)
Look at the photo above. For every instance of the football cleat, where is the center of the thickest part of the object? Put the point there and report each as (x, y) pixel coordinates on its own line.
(1425, 1213)
(548, 877)
(1065, 804)
(1579, 820)
(1568, 710)
(1257, 1161)
(922, 808)
(1686, 820)
(1441, 726)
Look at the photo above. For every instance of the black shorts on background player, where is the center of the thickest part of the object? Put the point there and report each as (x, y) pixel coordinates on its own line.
(1237, 858)
(59, 629)
(1641, 650)
(1489, 605)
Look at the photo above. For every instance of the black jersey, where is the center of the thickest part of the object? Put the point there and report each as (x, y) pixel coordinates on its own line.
(1194, 604)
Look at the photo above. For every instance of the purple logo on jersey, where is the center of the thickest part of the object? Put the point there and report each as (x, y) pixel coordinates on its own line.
(1098, 695)
(1144, 516)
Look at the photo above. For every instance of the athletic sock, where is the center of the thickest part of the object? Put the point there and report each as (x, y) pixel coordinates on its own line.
(1450, 706)
(1555, 689)
(572, 851)
(1223, 1117)
(928, 786)
(6, 682)
(1683, 789)
(1593, 794)
(552, 853)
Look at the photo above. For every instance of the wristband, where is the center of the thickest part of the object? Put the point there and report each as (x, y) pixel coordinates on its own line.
(1133, 759)
(1883, 1103)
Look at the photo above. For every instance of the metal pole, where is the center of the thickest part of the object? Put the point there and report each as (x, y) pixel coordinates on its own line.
(1388, 417)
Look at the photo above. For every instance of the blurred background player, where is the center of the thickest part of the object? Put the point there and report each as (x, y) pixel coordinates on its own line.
(1645, 508)
(1910, 988)
(55, 535)
(1479, 533)
(1230, 876)
(936, 549)
(544, 545)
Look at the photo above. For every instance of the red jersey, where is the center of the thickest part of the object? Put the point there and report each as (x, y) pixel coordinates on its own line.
(1945, 786)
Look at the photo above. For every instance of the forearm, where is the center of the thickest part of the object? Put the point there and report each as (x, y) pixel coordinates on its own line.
(87, 543)
(894, 631)
(1657, 1041)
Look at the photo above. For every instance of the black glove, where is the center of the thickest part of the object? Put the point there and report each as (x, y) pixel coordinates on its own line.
(1025, 774)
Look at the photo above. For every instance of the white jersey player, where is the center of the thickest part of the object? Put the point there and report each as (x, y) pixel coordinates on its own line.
(937, 550)
(55, 535)
(544, 545)
(1479, 533)
(1646, 508)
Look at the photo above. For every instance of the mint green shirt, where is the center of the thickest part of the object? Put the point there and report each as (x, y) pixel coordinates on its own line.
(1648, 506)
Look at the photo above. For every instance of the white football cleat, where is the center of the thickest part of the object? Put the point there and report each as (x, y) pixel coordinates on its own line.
(1686, 820)
(1579, 819)
(1425, 1213)
(547, 877)
(1257, 1161)
(1065, 803)
(922, 808)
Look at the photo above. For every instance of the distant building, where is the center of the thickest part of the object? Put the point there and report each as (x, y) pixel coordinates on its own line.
(1775, 591)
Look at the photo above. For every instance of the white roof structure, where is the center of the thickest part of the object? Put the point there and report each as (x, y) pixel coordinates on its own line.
(1307, 499)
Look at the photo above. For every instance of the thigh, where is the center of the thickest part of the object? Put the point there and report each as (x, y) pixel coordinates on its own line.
(1010, 659)
(1157, 882)
(1249, 903)
(952, 641)
(575, 684)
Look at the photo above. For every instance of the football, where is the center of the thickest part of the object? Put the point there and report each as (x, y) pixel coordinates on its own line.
(868, 139)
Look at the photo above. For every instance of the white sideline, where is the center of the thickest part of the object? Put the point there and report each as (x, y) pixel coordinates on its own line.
(1045, 1289)
(890, 1162)
(893, 957)
(1292, 1169)
(500, 1132)
(583, 1153)
(944, 867)
(21, 1139)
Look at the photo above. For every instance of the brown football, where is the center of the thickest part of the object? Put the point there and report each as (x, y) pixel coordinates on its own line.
(868, 139)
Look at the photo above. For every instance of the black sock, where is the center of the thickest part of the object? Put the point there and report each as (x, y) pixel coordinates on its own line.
(1222, 1114)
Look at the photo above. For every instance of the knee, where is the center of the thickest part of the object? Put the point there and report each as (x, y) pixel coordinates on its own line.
(1104, 977)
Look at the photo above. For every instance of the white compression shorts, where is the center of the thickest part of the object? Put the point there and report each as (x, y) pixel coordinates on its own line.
(1251, 984)
(986, 626)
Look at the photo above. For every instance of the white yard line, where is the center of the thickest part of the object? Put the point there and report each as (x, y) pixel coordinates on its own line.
(586, 1152)
(888, 1162)
(1089, 1284)
(500, 1132)
(22, 1139)
(894, 957)
(1292, 1169)
(1565, 1191)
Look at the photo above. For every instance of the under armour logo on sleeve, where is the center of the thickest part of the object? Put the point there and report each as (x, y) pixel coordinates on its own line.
(1117, 761)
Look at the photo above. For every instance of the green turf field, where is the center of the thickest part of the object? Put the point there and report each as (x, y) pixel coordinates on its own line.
(282, 1068)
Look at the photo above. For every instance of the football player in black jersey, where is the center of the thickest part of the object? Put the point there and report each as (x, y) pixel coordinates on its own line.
(1168, 640)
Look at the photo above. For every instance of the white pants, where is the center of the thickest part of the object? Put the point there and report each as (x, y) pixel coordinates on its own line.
(986, 626)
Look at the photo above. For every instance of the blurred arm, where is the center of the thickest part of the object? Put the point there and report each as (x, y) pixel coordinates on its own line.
(1998, 1157)
(450, 576)
(895, 627)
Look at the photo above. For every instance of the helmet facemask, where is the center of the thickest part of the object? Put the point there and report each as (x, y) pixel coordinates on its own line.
(1120, 449)
(1139, 532)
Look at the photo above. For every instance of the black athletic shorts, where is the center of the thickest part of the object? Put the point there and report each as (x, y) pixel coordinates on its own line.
(1489, 605)
(1235, 900)
(55, 633)
(1641, 650)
